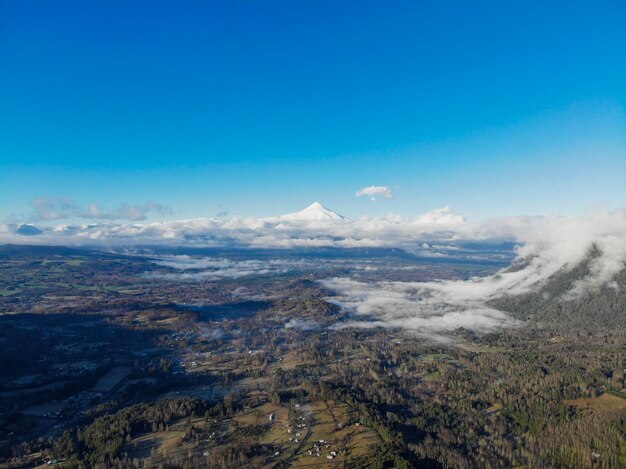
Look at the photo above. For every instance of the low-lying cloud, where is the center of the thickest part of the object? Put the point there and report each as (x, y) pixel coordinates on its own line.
(184, 267)
(209, 268)
(546, 244)
(550, 246)
(302, 324)
(439, 225)
(430, 309)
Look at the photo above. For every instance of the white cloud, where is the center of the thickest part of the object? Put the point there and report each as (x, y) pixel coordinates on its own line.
(420, 307)
(59, 208)
(549, 246)
(375, 191)
(302, 324)
(548, 243)
(209, 268)
(54, 208)
(441, 216)
(188, 268)
(133, 212)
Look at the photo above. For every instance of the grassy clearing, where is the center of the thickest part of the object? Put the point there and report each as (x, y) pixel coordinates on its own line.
(481, 348)
(334, 423)
(112, 379)
(160, 444)
(64, 261)
(494, 408)
(327, 421)
(601, 404)
(43, 410)
(362, 440)
(154, 443)
(129, 291)
(431, 376)
(613, 392)
(291, 360)
(431, 357)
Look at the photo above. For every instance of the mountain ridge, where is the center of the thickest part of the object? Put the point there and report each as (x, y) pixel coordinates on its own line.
(314, 212)
(553, 306)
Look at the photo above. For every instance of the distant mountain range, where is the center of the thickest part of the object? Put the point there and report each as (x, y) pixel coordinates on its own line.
(546, 243)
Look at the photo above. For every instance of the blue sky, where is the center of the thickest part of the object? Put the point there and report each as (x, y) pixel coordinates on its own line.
(258, 108)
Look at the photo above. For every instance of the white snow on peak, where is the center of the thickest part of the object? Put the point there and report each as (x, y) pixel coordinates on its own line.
(315, 211)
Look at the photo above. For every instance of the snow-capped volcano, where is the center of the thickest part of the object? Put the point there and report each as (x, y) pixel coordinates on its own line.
(315, 211)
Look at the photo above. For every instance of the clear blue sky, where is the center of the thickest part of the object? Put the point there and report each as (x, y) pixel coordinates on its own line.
(261, 107)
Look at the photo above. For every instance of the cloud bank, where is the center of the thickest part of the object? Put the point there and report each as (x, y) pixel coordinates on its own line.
(550, 246)
(188, 268)
(546, 246)
(425, 308)
(277, 232)
(437, 233)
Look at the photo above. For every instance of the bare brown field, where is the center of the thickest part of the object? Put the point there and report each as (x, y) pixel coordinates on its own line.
(604, 403)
